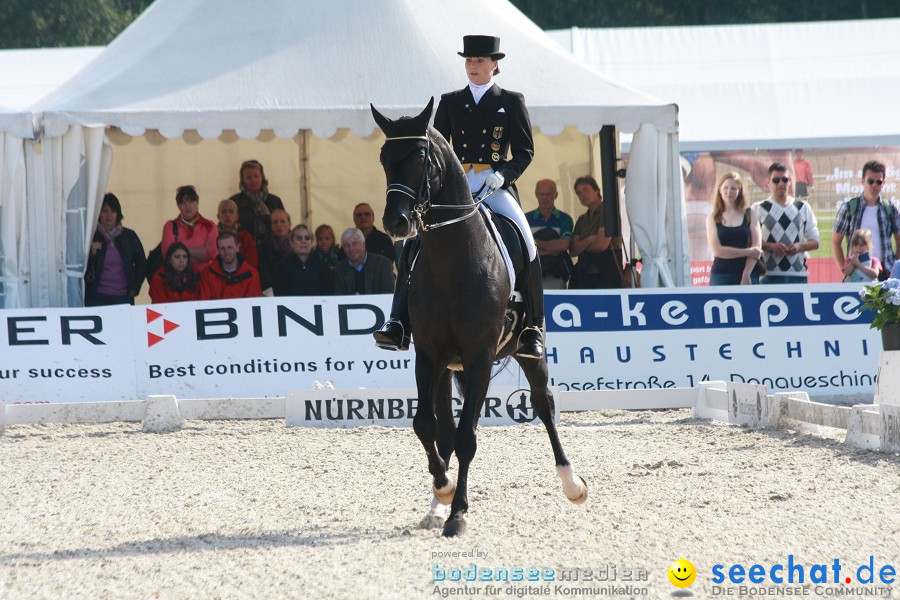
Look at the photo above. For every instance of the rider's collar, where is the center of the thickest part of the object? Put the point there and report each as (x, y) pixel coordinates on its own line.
(479, 90)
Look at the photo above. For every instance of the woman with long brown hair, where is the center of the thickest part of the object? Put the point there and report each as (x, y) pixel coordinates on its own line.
(733, 234)
(175, 280)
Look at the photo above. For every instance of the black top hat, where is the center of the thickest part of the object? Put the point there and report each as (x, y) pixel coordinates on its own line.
(481, 45)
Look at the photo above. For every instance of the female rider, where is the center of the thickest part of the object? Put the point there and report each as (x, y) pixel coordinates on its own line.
(483, 122)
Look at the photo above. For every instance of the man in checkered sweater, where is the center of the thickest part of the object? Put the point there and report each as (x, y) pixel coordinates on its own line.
(789, 231)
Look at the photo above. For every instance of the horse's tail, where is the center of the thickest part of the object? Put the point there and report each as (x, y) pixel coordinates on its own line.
(504, 362)
(460, 376)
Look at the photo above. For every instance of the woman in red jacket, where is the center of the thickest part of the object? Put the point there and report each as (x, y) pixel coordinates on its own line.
(192, 229)
(175, 281)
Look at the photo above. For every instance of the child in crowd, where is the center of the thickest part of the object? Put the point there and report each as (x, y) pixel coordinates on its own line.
(228, 221)
(860, 265)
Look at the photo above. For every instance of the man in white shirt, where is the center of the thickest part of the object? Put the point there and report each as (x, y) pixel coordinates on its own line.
(871, 212)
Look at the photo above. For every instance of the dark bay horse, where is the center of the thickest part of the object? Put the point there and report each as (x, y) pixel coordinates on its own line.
(457, 303)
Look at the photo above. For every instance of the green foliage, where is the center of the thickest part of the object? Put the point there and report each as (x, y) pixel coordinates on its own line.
(50, 23)
(883, 299)
(561, 14)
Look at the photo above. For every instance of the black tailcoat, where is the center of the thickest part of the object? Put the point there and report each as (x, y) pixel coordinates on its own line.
(487, 132)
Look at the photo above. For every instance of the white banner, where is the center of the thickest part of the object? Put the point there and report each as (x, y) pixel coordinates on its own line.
(397, 407)
(265, 346)
(789, 337)
(68, 355)
(786, 337)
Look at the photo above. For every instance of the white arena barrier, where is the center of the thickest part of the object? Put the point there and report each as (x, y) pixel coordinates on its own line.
(867, 426)
(887, 386)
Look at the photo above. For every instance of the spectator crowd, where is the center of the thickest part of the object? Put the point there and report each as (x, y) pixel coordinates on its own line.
(770, 241)
(252, 249)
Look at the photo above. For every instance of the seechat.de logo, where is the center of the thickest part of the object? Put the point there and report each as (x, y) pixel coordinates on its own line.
(166, 327)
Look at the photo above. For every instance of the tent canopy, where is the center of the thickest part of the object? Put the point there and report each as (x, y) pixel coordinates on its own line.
(28, 76)
(16, 122)
(283, 65)
(32, 73)
(215, 68)
(774, 86)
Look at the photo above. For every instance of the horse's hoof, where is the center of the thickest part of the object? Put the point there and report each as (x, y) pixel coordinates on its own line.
(454, 526)
(431, 521)
(436, 516)
(582, 497)
(445, 494)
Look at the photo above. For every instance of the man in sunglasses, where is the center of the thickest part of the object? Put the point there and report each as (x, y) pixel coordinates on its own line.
(869, 211)
(789, 231)
(377, 242)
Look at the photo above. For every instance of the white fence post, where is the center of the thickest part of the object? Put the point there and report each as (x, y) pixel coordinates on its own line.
(887, 387)
(161, 415)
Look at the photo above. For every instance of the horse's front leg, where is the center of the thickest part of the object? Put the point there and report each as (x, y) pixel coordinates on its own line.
(574, 486)
(446, 425)
(430, 380)
(477, 378)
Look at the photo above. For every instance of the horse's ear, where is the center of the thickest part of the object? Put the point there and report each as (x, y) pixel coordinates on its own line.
(425, 115)
(380, 119)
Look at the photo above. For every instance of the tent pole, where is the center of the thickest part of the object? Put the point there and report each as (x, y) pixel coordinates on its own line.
(303, 149)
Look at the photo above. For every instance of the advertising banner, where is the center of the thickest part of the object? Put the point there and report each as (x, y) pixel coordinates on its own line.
(396, 407)
(265, 346)
(788, 337)
(67, 355)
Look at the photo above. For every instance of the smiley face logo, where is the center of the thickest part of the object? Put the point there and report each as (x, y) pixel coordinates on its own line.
(682, 573)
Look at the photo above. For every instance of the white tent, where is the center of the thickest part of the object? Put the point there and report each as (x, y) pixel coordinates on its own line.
(29, 262)
(14, 126)
(203, 68)
(773, 86)
(29, 74)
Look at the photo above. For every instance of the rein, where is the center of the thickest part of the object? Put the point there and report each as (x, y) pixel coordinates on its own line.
(422, 197)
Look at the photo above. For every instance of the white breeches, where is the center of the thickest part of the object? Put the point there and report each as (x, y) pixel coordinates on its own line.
(503, 202)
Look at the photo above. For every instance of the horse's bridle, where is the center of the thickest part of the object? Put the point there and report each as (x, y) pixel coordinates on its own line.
(422, 197)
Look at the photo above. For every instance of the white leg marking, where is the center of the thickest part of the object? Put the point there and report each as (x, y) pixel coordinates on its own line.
(445, 494)
(573, 487)
(436, 516)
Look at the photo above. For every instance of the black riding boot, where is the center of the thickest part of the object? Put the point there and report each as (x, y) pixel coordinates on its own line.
(395, 333)
(531, 340)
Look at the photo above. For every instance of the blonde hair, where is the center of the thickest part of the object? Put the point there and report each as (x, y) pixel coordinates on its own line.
(861, 235)
(719, 202)
(227, 202)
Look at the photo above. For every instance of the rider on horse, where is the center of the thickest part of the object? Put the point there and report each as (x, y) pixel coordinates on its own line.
(484, 122)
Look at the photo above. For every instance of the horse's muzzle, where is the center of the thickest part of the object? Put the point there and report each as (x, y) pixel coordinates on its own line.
(398, 226)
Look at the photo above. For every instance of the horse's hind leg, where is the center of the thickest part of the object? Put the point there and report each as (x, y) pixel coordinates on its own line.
(574, 487)
(428, 430)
